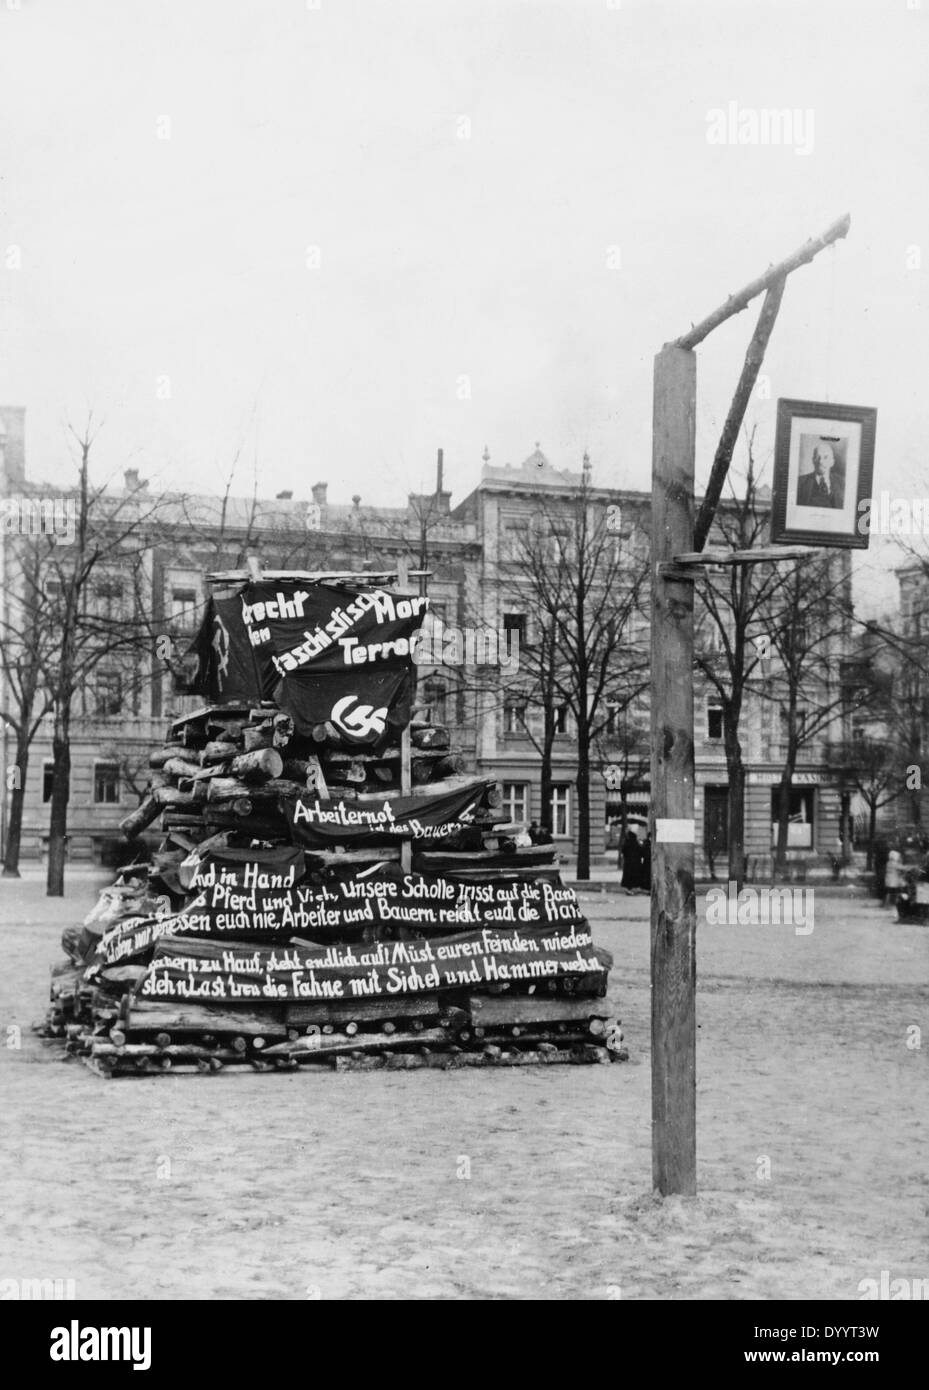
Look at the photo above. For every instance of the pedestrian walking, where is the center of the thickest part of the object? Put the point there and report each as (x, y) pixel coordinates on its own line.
(893, 877)
(632, 862)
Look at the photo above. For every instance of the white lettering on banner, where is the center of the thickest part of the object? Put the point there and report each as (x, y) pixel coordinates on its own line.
(341, 815)
(279, 607)
(384, 608)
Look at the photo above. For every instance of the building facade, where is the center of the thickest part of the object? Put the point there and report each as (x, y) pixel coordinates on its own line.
(468, 560)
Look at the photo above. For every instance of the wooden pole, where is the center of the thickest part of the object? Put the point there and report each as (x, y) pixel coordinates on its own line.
(673, 959)
(406, 787)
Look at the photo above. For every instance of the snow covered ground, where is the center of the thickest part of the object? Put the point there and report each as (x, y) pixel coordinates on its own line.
(813, 1130)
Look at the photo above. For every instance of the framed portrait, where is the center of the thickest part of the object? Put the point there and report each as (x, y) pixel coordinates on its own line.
(823, 470)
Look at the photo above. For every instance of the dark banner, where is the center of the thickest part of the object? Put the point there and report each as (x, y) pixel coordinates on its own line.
(344, 655)
(210, 971)
(316, 822)
(323, 627)
(327, 654)
(376, 906)
(225, 666)
(364, 705)
(279, 866)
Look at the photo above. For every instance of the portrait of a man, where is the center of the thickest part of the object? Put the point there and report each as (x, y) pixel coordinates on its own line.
(824, 485)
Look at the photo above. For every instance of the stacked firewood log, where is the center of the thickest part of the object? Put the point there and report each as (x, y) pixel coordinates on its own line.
(448, 948)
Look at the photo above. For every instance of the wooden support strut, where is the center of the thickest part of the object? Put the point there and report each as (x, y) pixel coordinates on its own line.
(727, 440)
(691, 565)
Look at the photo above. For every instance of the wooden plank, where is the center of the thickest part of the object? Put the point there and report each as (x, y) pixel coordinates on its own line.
(360, 1011)
(312, 576)
(445, 787)
(511, 858)
(346, 859)
(203, 1018)
(406, 787)
(487, 1011)
(329, 1044)
(532, 874)
(673, 917)
(718, 555)
(583, 1055)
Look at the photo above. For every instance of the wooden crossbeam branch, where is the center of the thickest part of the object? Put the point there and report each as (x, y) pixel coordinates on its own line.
(737, 302)
(313, 576)
(754, 357)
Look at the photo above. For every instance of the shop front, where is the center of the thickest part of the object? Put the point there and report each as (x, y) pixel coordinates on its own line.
(813, 827)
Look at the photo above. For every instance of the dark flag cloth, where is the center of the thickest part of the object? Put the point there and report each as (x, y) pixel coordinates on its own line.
(315, 822)
(365, 706)
(226, 668)
(325, 653)
(343, 655)
(281, 865)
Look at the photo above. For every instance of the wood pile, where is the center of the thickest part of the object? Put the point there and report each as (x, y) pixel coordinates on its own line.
(313, 904)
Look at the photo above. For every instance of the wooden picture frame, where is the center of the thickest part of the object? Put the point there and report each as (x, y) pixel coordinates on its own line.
(823, 473)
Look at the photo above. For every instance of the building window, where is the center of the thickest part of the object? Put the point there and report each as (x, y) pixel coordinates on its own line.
(513, 717)
(48, 773)
(109, 598)
(714, 721)
(184, 605)
(434, 695)
(561, 719)
(800, 826)
(612, 720)
(515, 541)
(106, 783)
(516, 622)
(516, 801)
(108, 693)
(561, 811)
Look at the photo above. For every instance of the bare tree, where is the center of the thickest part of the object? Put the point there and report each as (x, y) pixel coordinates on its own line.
(807, 621)
(111, 536)
(734, 607)
(583, 586)
(28, 639)
(871, 766)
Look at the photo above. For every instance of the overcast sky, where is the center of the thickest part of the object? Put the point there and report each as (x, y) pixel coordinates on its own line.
(349, 231)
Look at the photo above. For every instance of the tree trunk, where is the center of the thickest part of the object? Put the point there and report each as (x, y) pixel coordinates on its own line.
(583, 801)
(846, 829)
(545, 776)
(783, 800)
(736, 770)
(783, 822)
(872, 833)
(58, 815)
(14, 832)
